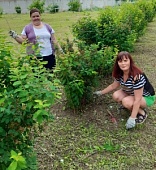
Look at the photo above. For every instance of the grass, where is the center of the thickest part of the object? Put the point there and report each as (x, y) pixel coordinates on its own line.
(60, 22)
(89, 140)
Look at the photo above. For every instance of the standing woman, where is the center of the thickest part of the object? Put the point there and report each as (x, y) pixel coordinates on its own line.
(41, 34)
(136, 92)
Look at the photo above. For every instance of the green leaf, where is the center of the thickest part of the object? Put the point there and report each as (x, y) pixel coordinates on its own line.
(22, 165)
(26, 86)
(12, 166)
(2, 132)
(13, 153)
(39, 119)
(23, 76)
(2, 100)
(36, 114)
(39, 102)
(17, 83)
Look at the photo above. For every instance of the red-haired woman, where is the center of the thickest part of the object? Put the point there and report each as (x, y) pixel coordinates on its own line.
(136, 92)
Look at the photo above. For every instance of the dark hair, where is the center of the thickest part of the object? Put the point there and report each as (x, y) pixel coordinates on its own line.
(134, 70)
(34, 10)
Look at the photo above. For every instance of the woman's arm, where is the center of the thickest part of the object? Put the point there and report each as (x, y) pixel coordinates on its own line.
(137, 101)
(108, 89)
(111, 87)
(18, 38)
(54, 41)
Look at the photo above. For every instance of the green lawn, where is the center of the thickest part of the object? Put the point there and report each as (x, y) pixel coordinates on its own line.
(60, 22)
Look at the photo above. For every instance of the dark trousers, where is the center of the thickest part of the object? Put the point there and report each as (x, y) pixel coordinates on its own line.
(51, 61)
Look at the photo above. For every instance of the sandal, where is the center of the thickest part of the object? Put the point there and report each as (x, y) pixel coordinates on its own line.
(121, 107)
(141, 118)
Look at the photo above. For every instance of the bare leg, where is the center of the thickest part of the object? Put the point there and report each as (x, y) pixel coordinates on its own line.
(119, 95)
(128, 101)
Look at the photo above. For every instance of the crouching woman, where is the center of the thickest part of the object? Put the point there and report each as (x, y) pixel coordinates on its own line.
(136, 92)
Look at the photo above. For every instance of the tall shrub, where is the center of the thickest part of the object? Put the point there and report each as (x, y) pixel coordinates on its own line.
(148, 8)
(85, 29)
(133, 17)
(39, 4)
(113, 32)
(74, 5)
(1, 11)
(52, 8)
(79, 70)
(26, 96)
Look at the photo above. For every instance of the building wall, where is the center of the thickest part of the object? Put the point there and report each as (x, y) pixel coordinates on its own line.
(9, 5)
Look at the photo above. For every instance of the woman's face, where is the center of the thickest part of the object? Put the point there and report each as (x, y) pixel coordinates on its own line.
(124, 64)
(35, 18)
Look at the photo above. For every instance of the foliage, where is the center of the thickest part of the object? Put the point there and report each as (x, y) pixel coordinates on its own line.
(154, 5)
(133, 17)
(1, 11)
(74, 5)
(5, 61)
(53, 8)
(79, 71)
(113, 32)
(18, 9)
(109, 146)
(18, 162)
(107, 30)
(147, 8)
(118, 27)
(27, 93)
(86, 29)
(39, 4)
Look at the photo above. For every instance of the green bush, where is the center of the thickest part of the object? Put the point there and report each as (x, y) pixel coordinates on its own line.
(133, 17)
(37, 4)
(18, 9)
(5, 61)
(118, 27)
(26, 96)
(154, 5)
(1, 11)
(53, 8)
(79, 70)
(113, 32)
(107, 24)
(147, 8)
(74, 5)
(86, 30)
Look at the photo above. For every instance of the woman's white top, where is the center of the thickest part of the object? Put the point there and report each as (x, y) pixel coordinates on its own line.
(43, 37)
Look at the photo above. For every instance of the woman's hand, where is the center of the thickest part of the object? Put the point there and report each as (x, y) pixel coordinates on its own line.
(130, 123)
(13, 34)
(98, 93)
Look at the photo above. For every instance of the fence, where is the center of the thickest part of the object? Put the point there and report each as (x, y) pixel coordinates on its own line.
(9, 5)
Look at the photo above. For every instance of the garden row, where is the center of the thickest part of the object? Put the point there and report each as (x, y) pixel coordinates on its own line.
(98, 41)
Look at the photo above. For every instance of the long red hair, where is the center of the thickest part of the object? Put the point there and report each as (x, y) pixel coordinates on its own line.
(134, 70)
